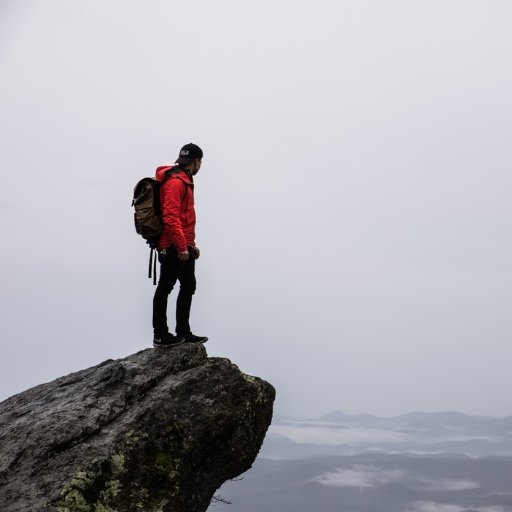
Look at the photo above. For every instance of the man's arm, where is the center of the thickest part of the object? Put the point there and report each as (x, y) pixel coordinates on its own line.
(173, 192)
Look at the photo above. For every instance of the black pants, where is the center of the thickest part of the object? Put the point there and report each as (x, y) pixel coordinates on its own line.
(172, 270)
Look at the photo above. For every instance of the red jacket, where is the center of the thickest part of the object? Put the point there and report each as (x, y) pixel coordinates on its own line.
(178, 212)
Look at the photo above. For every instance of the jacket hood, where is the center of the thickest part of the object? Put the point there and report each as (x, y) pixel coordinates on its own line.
(160, 173)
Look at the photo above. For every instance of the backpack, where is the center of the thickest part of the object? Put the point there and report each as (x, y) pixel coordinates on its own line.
(148, 214)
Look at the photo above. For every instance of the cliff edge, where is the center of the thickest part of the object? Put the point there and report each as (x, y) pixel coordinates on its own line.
(160, 430)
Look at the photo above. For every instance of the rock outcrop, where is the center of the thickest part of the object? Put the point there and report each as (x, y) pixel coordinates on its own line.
(160, 430)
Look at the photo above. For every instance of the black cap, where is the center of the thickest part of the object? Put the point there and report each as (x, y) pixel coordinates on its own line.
(188, 153)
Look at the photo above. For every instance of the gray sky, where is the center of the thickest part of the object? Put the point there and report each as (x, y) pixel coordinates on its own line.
(354, 209)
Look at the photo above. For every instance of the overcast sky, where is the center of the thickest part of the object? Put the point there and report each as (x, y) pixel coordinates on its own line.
(354, 204)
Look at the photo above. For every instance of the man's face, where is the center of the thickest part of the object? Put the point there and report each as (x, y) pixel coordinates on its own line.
(196, 166)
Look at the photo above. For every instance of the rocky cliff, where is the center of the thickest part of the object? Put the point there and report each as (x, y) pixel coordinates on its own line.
(160, 430)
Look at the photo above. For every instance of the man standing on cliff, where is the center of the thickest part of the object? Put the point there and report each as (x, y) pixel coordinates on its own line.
(177, 251)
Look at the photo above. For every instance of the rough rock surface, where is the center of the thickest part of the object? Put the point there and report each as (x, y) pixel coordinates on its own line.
(160, 430)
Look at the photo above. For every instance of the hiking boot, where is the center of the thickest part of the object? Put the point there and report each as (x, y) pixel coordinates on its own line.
(167, 340)
(192, 338)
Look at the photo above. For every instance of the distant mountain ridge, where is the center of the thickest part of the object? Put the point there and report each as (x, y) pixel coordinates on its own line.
(445, 417)
(339, 433)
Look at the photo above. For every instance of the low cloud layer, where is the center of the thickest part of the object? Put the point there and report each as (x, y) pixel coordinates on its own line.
(336, 436)
(447, 485)
(360, 477)
(367, 476)
(431, 506)
(387, 436)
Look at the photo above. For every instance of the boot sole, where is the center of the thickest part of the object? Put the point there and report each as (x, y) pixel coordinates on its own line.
(166, 345)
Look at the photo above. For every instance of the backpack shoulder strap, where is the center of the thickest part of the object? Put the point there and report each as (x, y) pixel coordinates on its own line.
(173, 176)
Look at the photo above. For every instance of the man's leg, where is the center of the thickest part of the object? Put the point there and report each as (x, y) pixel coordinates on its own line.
(169, 269)
(187, 280)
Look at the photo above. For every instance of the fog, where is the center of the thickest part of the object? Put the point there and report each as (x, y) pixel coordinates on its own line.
(353, 205)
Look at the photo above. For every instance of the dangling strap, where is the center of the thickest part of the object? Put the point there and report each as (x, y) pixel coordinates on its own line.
(152, 263)
(154, 268)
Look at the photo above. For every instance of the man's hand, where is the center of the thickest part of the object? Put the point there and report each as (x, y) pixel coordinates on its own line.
(183, 256)
(197, 252)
